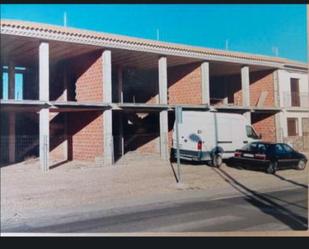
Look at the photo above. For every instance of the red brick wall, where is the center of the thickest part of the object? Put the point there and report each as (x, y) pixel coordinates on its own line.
(265, 125)
(86, 132)
(86, 128)
(184, 84)
(262, 81)
(89, 85)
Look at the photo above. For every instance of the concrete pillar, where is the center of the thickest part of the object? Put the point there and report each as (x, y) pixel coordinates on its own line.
(245, 82)
(120, 84)
(205, 83)
(65, 98)
(1, 82)
(11, 74)
(44, 96)
(120, 100)
(12, 117)
(163, 114)
(107, 114)
(12, 138)
(279, 137)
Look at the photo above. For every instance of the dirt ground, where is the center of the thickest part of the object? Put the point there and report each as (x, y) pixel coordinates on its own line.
(25, 188)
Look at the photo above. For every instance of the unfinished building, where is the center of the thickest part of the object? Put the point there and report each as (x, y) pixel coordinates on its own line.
(93, 96)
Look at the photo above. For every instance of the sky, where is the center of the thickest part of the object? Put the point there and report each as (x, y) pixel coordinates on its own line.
(275, 30)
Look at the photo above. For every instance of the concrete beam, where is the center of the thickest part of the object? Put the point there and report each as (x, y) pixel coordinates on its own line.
(245, 82)
(107, 115)
(44, 96)
(12, 138)
(205, 83)
(11, 90)
(163, 114)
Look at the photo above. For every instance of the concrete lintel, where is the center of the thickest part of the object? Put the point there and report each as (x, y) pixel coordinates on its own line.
(205, 83)
(245, 83)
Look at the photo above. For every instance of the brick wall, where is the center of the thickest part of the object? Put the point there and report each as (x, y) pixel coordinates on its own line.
(86, 135)
(184, 84)
(89, 80)
(86, 128)
(265, 125)
(262, 81)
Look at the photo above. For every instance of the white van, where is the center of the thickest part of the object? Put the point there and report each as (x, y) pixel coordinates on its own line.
(212, 136)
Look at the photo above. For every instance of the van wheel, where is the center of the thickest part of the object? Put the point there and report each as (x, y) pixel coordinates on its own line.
(301, 165)
(217, 161)
(272, 168)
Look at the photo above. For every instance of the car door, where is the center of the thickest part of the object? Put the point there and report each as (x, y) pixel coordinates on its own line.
(292, 159)
(282, 156)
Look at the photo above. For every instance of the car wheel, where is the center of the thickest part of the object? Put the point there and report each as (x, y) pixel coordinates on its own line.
(301, 165)
(272, 168)
(217, 160)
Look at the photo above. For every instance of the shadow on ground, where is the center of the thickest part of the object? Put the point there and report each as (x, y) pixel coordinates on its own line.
(264, 203)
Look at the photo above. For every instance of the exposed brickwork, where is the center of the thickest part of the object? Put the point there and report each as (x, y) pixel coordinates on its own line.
(259, 82)
(89, 85)
(184, 84)
(265, 125)
(86, 135)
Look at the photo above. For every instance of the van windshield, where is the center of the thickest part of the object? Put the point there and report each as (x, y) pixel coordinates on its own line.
(251, 133)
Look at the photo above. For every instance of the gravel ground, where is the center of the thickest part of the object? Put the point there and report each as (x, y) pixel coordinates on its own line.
(25, 189)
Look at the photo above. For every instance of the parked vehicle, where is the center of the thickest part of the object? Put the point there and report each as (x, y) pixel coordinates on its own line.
(270, 156)
(211, 136)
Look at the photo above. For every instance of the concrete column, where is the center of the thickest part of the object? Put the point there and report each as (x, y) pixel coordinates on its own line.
(12, 117)
(107, 114)
(11, 74)
(1, 82)
(120, 100)
(163, 114)
(120, 84)
(245, 82)
(12, 138)
(279, 137)
(205, 83)
(44, 96)
(65, 98)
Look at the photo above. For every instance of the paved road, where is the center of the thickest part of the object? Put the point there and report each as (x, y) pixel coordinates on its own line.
(252, 211)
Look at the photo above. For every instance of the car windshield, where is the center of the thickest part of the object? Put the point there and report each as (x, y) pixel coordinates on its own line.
(251, 133)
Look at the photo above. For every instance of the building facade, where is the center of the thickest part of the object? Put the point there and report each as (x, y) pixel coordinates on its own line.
(70, 94)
